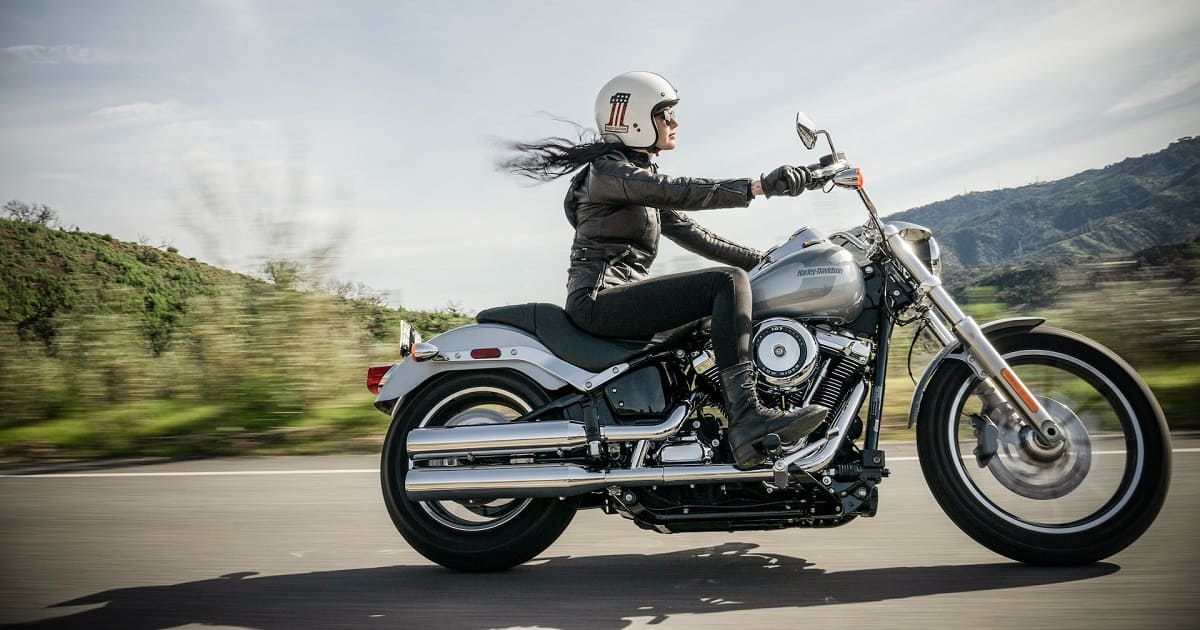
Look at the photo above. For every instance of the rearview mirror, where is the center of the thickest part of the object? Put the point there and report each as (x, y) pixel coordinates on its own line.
(806, 129)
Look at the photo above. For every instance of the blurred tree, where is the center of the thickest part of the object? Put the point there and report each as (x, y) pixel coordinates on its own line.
(282, 273)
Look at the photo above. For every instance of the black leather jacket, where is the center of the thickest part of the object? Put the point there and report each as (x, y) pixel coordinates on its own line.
(619, 205)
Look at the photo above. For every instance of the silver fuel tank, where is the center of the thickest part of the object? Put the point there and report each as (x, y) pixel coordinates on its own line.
(808, 277)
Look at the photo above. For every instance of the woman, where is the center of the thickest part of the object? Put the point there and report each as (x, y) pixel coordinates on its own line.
(619, 205)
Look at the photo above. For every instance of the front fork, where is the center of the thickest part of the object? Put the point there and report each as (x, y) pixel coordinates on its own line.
(981, 355)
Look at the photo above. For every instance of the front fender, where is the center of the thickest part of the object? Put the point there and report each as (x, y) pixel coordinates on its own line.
(955, 351)
(520, 351)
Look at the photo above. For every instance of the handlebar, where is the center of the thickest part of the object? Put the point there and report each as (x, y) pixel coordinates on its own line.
(825, 172)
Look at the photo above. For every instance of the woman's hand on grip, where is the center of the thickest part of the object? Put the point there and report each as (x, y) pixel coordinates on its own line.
(786, 180)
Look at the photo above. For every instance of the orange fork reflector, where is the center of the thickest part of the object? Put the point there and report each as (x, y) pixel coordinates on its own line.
(1020, 389)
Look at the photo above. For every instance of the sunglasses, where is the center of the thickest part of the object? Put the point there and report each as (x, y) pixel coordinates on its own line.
(667, 115)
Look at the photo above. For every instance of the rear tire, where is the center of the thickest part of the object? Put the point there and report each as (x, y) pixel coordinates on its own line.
(471, 536)
(1082, 506)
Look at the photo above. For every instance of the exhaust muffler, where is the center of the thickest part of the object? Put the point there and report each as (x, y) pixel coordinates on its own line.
(562, 480)
(530, 437)
(557, 480)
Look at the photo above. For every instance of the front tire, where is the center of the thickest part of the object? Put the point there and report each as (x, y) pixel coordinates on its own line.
(1080, 504)
(470, 535)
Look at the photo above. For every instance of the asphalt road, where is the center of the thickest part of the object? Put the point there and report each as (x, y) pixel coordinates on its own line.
(306, 542)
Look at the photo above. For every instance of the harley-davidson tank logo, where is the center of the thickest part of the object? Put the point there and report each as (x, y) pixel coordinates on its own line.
(812, 272)
(616, 116)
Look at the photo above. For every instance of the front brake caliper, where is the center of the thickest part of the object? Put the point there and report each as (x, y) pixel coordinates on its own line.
(988, 438)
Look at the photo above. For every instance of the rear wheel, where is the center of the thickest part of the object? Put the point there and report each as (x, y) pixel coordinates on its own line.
(1077, 501)
(470, 535)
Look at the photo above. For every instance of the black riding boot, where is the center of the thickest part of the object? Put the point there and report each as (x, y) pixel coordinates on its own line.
(749, 421)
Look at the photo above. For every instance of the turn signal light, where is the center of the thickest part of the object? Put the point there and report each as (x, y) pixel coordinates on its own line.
(849, 178)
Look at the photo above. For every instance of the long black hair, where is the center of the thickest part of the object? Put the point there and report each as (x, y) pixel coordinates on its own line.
(550, 158)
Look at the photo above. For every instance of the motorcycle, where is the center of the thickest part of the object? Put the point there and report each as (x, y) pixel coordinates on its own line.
(1040, 444)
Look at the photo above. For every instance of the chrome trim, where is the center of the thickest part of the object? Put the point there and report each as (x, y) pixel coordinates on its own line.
(423, 351)
(525, 437)
(660, 431)
(558, 480)
(493, 439)
(858, 243)
(638, 458)
(966, 329)
(940, 330)
(955, 351)
(687, 451)
(817, 455)
(776, 359)
(846, 346)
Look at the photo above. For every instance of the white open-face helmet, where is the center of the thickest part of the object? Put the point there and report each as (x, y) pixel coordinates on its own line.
(626, 105)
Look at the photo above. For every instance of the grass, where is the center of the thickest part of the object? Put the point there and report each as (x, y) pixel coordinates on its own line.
(349, 423)
(177, 428)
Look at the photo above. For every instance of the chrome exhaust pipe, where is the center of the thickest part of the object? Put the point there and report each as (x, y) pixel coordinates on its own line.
(816, 455)
(529, 437)
(562, 480)
(557, 480)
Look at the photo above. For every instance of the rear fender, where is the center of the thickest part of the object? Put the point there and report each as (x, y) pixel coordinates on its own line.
(956, 352)
(519, 351)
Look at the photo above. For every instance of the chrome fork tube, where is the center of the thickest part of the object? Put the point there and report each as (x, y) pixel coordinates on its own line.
(939, 328)
(964, 328)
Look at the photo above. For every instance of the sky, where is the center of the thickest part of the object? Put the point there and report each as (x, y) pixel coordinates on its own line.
(365, 135)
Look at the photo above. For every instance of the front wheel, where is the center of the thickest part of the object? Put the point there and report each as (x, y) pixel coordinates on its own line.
(470, 535)
(1074, 502)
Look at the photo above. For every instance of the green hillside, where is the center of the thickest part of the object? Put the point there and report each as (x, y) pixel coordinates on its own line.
(108, 347)
(47, 274)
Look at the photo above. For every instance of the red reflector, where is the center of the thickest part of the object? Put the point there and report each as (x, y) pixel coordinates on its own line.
(485, 353)
(375, 375)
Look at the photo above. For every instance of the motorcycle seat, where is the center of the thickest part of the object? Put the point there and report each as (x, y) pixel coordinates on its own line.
(550, 324)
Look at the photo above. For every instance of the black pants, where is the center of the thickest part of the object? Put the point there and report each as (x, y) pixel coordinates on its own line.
(640, 309)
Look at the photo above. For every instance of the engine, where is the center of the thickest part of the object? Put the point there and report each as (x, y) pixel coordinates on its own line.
(784, 352)
(798, 366)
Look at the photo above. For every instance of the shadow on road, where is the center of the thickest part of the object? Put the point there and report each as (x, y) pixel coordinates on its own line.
(592, 591)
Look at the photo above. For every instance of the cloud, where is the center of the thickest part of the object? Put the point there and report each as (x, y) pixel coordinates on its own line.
(141, 111)
(59, 54)
(1158, 90)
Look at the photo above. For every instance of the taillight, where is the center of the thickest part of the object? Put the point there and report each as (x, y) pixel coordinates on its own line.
(376, 377)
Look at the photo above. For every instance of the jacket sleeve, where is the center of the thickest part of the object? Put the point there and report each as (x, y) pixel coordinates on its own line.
(622, 182)
(694, 238)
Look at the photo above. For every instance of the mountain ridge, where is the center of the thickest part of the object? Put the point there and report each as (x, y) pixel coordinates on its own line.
(1118, 209)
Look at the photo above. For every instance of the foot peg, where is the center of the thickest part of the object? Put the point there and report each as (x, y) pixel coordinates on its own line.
(772, 445)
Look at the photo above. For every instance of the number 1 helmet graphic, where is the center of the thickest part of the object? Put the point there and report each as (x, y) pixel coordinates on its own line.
(626, 105)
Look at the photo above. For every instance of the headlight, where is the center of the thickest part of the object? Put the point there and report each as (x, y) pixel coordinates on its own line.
(920, 240)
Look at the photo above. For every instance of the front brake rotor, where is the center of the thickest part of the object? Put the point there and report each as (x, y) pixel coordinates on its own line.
(1026, 466)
